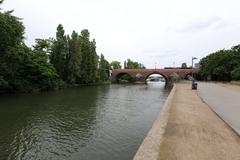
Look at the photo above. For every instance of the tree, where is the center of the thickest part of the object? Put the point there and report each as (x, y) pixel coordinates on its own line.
(104, 69)
(116, 65)
(184, 65)
(219, 65)
(85, 49)
(236, 74)
(133, 65)
(11, 32)
(89, 58)
(21, 68)
(50, 63)
(40, 73)
(13, 51)
(13, 69)
(93, 61)
(59, 52)
(43, 44)
(73, 59)
(125, 65)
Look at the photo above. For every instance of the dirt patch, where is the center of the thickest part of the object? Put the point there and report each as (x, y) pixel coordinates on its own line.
(230, 86)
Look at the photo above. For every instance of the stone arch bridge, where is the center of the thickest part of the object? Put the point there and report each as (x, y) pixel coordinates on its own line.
(142, 74)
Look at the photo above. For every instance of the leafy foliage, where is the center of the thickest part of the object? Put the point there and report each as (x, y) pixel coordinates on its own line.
(104, 69)
(73, 59)
(116, 65)
(236, 74)
(89, 58)
(129, 64)
(221, 65)
(59, 52)
(50, 64)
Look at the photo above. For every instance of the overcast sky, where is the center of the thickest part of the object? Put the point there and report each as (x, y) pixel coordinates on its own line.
(165, 32)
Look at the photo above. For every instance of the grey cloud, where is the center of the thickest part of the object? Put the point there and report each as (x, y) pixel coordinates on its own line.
(159, 50)
(161, 53)
(166, 55)
(201, 24)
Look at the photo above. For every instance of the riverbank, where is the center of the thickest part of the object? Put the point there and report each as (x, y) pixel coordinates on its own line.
(187, 129)
(65, 86)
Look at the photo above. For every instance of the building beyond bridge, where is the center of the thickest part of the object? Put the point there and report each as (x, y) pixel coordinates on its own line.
(140, 75)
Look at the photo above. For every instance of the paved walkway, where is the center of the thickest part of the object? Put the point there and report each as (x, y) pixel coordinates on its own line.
(224, 99)
(195, 132)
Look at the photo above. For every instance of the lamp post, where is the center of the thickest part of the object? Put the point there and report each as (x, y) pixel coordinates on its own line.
(194, 85)
(193, 58)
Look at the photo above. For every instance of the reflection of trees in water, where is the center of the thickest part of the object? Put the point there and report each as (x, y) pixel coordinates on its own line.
(54, 123)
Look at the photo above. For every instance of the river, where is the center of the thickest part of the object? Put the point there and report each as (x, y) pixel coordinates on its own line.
(106, 122)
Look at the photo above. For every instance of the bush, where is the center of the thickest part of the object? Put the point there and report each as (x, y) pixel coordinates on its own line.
(236, 74)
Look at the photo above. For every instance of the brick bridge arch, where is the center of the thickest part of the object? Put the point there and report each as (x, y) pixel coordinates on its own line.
(166, 73)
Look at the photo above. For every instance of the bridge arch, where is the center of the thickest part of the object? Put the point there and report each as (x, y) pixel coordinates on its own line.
(121, 74)
(161, 74)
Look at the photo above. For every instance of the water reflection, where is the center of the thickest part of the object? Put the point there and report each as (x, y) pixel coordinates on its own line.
(98, 122)
(156, 85)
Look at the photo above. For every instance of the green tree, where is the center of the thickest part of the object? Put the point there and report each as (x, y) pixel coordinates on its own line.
(11, 32)
(73, 59)
(116, 65)
(89, 58)
(43, 44)
(236, 74)
(13, 69)
(93, 61)
(104, 69)
(50, 63)
(40, 73)
(125, 65)
(219, 65)
(133, 65)
(23, 69)
(59, 52)
(13, 51)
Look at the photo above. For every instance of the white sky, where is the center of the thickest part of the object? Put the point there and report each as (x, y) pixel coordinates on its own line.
(165, 32)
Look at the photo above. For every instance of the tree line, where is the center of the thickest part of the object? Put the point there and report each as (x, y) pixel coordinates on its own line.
(50, 64)
(222, 65)
(129, 64)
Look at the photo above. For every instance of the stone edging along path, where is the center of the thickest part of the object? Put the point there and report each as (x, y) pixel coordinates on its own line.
(187, 129)
(149, 149)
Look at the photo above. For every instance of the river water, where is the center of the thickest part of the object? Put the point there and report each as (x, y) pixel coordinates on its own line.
(84, 123)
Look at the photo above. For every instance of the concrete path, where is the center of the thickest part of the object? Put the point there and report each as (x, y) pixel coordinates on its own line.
(224, 99)
(195, 132)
